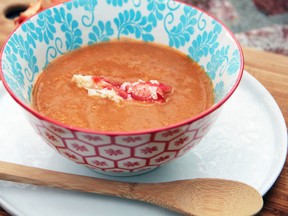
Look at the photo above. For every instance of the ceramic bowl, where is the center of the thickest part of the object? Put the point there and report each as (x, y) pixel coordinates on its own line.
(68, 26)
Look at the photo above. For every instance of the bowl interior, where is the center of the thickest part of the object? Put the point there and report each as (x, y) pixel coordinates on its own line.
(72, 25)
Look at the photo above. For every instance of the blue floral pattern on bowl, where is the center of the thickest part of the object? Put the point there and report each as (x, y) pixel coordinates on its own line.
(83, 22)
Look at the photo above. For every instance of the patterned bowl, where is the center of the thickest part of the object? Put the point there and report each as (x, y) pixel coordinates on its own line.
(71, 25)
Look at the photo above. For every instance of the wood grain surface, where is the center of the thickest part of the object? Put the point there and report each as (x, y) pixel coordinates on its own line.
(270, 69)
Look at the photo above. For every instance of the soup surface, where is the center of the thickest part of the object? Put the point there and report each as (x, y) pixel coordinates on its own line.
(55, 95)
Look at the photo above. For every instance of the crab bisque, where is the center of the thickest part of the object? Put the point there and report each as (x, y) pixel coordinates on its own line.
(146, 87)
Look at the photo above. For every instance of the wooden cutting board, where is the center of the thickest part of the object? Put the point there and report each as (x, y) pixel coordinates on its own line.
(270, 69)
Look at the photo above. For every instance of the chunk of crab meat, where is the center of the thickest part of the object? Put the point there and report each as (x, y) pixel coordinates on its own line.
(151, 91)
(147, 91)
(97, 86)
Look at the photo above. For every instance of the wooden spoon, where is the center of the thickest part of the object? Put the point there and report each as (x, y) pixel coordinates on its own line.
(189, 197)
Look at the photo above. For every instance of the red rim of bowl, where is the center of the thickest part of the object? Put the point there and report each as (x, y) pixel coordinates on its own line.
(131, 133)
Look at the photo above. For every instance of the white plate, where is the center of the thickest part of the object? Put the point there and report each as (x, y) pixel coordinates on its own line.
(248, 144)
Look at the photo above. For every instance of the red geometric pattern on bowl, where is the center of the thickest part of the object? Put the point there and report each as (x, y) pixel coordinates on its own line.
(126, 154)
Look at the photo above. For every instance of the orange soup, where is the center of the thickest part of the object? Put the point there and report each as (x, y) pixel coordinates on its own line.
(187, 89)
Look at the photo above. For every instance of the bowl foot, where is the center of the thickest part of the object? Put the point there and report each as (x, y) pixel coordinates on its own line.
(123, 174)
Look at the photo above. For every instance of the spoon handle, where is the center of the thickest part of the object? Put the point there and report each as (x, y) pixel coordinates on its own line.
(150, 193)
(147, 192)
(42, 177)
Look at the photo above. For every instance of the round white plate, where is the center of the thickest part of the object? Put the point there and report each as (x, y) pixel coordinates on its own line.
(248, 144)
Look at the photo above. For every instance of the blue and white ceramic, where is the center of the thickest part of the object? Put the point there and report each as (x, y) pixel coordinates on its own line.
(75, 24)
